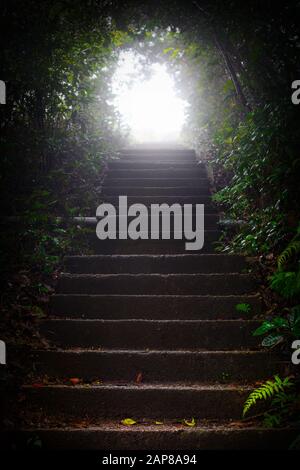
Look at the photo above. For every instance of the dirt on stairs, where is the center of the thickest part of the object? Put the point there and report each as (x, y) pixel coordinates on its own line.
(151, 331)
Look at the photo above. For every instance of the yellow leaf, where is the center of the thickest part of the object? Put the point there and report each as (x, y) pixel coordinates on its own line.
(128, 421)
(158, 422)
(191, 423)
(97, 382)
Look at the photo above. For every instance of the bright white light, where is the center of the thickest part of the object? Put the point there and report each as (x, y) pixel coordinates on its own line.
(149, 107)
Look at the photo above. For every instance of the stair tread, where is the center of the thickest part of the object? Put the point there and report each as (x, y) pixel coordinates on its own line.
(164, 275)
(159, 257)
(142, 386)
(170, 425)
(160, 296)
(155, 321)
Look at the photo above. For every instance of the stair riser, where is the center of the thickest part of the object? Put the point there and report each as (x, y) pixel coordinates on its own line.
(126, 247)
(149, 200)
(215, 335)
(202, 284)
(157, 182)
(210, 221)
(158, 173)
(156, 159)
(157, 367)
(142, 151)
(154, 264)
(155, 191)
(130, 438)
(117, 403)
(166, 157)
(154, 307)
(138, 164)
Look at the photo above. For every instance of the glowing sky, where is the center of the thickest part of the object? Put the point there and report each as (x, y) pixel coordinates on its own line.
(149, 107)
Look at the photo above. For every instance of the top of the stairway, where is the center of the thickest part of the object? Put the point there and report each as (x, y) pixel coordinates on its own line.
(156, 149)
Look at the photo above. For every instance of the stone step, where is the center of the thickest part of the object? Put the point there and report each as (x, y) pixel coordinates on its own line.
(157, 366)
(185, 284)
(157, 182)
(154, 191)
(139, 401)
(211, 220)
(110, 435)
(141, 150)
(153, 155)
(152, 158)
(148, 246)
(139, 163)
(148, 200)
(165, 264)
(151, 334)
(187, 307)
(158, 173)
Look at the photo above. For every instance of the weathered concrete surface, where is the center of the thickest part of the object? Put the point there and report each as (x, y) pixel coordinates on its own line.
(151, 337)
(114, 437)
(189, 307)
(152, 334)
(164, 264)
(158, 366)
(185, 284)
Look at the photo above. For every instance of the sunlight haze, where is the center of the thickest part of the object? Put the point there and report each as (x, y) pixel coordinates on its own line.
(150, 107)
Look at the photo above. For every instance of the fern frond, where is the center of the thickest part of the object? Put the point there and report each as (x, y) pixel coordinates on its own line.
(267, 390)
(292, 249)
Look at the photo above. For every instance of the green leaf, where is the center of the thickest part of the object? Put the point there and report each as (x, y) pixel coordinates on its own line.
(271, 388)
(264, 328)
(280, 322)
(272, 340)
(245, 308)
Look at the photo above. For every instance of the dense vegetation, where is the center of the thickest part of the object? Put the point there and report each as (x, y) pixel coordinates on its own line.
(233, 61)
(57, 129)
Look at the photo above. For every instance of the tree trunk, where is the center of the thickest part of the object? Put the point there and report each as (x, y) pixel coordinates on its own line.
(227, 60)
(232, 73)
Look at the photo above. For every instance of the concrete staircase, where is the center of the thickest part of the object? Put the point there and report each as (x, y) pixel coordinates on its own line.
(152, 332)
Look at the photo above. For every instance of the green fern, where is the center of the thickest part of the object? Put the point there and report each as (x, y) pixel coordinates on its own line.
(286, 283)
(291, 250)
(267, 390)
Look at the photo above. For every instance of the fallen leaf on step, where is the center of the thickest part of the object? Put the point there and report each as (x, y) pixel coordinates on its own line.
(75, 381)
(80, 424)
(128, 421)
(97, 382)
(191, 423)
(37, 385)
(139, 378)
(158, 422)
(37, 312)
